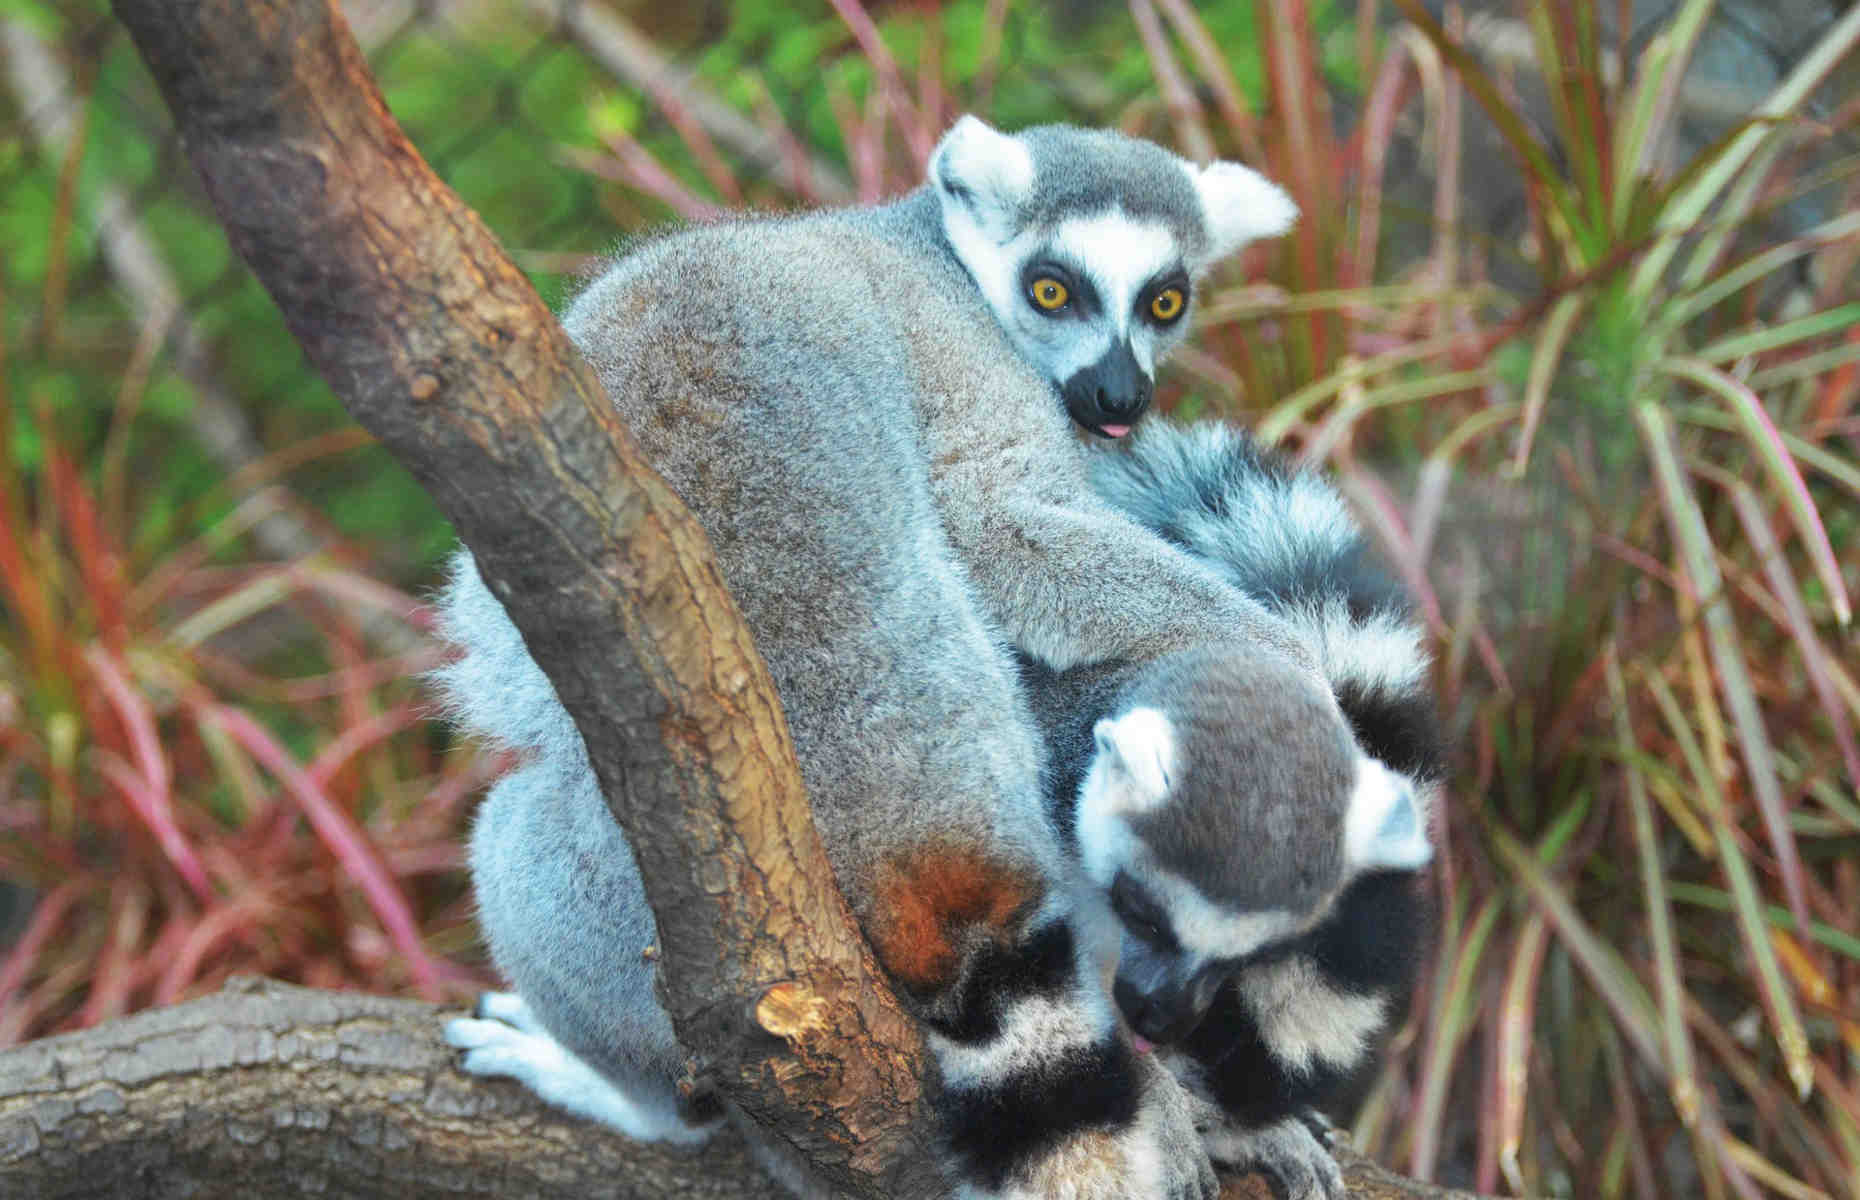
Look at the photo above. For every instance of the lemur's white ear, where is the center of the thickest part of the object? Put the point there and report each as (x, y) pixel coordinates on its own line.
(1385, 828)
(1239, 205)
(985, 172)
(1137, 754)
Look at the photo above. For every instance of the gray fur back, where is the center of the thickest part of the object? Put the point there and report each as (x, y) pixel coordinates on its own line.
(802, 455)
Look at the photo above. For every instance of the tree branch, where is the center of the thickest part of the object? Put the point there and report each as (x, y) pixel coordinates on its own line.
(265, 1089)
(269, 1090)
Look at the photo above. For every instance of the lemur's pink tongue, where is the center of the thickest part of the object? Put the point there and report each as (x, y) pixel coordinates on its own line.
(1143, 1044)
(1114, 431)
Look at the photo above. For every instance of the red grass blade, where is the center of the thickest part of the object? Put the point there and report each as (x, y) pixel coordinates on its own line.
(47, 915)
(358, 737)
(1761, 432)
(634, 165)
(344, 838)
(148, 789)
(1191, 121)
(910, 121)
(1213, 67)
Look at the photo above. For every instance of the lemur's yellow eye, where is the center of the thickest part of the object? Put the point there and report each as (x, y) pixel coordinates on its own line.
(1049, 293)
(1167, 304)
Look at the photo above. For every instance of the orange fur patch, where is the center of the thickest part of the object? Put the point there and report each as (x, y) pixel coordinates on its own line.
(928, 899)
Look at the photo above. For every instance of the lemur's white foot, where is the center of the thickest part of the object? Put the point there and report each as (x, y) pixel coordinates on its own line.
(505, 1039)
(1288, 1151)
(510, 1008)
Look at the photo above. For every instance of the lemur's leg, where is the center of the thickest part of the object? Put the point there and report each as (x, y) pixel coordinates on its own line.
(509, 1008)
(1042, 1094)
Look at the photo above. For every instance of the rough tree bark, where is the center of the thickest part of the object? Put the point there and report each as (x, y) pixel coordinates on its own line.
(269, 1090)
(438, 345)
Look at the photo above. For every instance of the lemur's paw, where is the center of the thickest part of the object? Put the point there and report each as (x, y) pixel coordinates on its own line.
(1323, 1129)
(506, 1040)
(1300, 1165)
(1163, 1152)
(508, 1007)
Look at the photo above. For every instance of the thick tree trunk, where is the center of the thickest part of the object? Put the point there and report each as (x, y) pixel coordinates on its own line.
(438, 345)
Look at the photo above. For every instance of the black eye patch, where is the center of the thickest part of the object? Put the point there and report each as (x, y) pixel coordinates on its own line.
(1164, 299)
(1081, 296)
(1140, 913)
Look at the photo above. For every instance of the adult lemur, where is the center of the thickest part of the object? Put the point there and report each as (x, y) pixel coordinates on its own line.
(1262, 963)
(863, 409)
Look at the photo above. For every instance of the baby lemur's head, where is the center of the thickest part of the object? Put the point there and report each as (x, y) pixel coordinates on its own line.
(1087, 244)
(1226, 806)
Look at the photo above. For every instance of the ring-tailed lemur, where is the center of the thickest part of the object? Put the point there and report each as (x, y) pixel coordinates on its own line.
(1265, 867)
(862, 408)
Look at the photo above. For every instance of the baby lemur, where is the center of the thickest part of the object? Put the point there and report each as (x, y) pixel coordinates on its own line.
(1264, 869)
(867, 410)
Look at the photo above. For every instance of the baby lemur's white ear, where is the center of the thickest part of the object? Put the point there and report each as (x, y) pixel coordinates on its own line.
(1137, 754)
(1239, 205)
(984, 172)
(1385, 827)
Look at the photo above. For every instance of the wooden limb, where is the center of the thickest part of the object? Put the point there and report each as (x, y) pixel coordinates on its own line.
(265, 1089)
(269, 1090)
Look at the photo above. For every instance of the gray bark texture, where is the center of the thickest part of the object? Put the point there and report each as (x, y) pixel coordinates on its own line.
(268, 1090)
(264, 1090)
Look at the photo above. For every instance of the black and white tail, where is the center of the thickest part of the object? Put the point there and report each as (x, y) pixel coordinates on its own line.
(1287, 538)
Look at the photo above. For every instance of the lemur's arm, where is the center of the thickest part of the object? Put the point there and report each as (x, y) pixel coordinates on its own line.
(1041, 1091)
(1076, 582)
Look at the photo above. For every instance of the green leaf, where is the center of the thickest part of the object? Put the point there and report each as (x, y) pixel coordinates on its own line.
(1667, 983)
(1688, 206)
(1600, 963)
(1700, 557)
(1839, 941)
(1541, 175)
(1756, 341)
(1762, 436)
(1832, 465)
(1544, 358)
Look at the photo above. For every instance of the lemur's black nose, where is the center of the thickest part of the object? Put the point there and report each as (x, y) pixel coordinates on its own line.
(1155, 1024)
(1113, 391)
(1163, 1016)
(1126, 405)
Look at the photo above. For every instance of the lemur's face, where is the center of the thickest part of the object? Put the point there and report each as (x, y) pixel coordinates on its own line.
(1208, 866)
(1087, 245)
